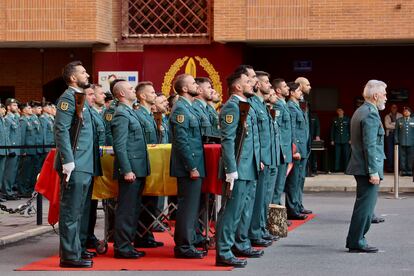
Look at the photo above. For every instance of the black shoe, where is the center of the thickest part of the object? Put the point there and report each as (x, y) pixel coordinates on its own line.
(140, 253)
(148, 243)
(306, 211)
(88, 254)
(126, 255)
(270, 237)
(2, 199)
(261, 243)
(204, 252)
(249, 253)
(297, 217)
(24, 195)
(189, 255)
(366, 249)
(235, 262)
(377, 220)
(78, 264)
(92, 243)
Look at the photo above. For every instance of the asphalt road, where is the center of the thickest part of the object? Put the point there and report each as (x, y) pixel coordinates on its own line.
(315, 248)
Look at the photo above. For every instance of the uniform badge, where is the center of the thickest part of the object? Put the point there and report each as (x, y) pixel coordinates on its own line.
(180, 119)
(229, 119)
(277, 113)
(64, 106)
(108, 117)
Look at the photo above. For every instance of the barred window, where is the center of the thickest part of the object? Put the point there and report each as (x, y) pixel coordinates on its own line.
(166, 21)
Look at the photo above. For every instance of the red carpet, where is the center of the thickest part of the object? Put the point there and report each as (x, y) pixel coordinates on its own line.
(157, 259)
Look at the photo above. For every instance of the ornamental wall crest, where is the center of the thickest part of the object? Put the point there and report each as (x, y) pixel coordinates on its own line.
(191, 69)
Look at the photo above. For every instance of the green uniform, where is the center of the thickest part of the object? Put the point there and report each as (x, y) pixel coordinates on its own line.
(276, 159)
(165, 134)
(89, 211)
(4, 140)
(254, 218)
(186, 155)
(12, 161)
(229, 220)
(404, 137)
(47, 122)
(367, 158)
(151, 202)
(285, 127)
(200, 108)
(296, 178)
(74, 195)
(131, 155)
(29, 166)
(214, 119)
(108, 115)
(340, 135)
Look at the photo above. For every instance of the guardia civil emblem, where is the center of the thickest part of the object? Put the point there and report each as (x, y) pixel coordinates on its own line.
(180, 119)
(229, 119)
(64, 106)
(108, 117)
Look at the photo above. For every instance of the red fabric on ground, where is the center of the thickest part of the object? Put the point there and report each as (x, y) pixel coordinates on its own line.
(157, 259)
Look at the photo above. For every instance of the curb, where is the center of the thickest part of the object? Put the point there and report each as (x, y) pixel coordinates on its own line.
(353, 189)
(13, 238)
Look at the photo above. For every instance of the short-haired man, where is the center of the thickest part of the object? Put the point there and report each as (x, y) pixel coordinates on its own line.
(11, 121)
(75, 168)
(366, 163)
(187, 164)
(130, 168)
(146, 96)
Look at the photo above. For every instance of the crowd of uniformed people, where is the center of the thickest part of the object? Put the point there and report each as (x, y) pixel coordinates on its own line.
(276, 133)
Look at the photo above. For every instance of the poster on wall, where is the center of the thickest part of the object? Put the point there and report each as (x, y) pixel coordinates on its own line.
(130, 76)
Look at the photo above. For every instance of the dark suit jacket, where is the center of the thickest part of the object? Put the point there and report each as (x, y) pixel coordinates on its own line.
(367, 142)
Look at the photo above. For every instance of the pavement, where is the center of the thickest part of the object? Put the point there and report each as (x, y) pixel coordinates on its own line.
(17, 227)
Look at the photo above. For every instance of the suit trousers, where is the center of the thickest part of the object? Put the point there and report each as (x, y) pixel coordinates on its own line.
(10, 174)
(258, 212)
(229, 219)
(366, 198)
(188, 199)
(293, 187)
(280, 183)
(127, 213)
(72, 203)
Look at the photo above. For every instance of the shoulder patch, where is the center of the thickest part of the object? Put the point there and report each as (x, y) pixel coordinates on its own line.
(108, 117)
(229, 119)
(180, 119)
(64, 106)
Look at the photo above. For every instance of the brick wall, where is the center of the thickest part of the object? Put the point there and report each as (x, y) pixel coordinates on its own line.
(313, 20)
(76, 21)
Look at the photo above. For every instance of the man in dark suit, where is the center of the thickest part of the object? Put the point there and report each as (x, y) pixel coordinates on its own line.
(366, 163)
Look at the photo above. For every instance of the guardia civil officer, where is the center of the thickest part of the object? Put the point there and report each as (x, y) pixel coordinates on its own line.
(285, 126)
(404, 137)
(300, 137)
(11, 121)
(130, 168)
(187, 164)
(212, 111)
(4, 141)
(242, 174)
(146, 96)
(366, 163)
(75, 169)
(200, 105)
(340, 137)
(268, 160)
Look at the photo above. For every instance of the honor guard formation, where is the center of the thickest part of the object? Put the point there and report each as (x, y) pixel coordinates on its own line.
(266, 131)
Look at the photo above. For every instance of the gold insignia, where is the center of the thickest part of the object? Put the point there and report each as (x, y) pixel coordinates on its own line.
(64, 106)
(229, 119)
(180, 119)
(108, 117)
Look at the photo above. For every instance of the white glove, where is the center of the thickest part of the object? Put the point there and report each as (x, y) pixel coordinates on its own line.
(230, 177)
(67, 169)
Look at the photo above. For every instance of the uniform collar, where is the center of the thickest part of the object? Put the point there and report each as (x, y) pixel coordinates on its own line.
(240, 98)
(75, 89)
(187, 100)
(203, 103)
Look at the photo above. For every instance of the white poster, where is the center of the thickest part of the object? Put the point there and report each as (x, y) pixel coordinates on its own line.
(130, 76)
